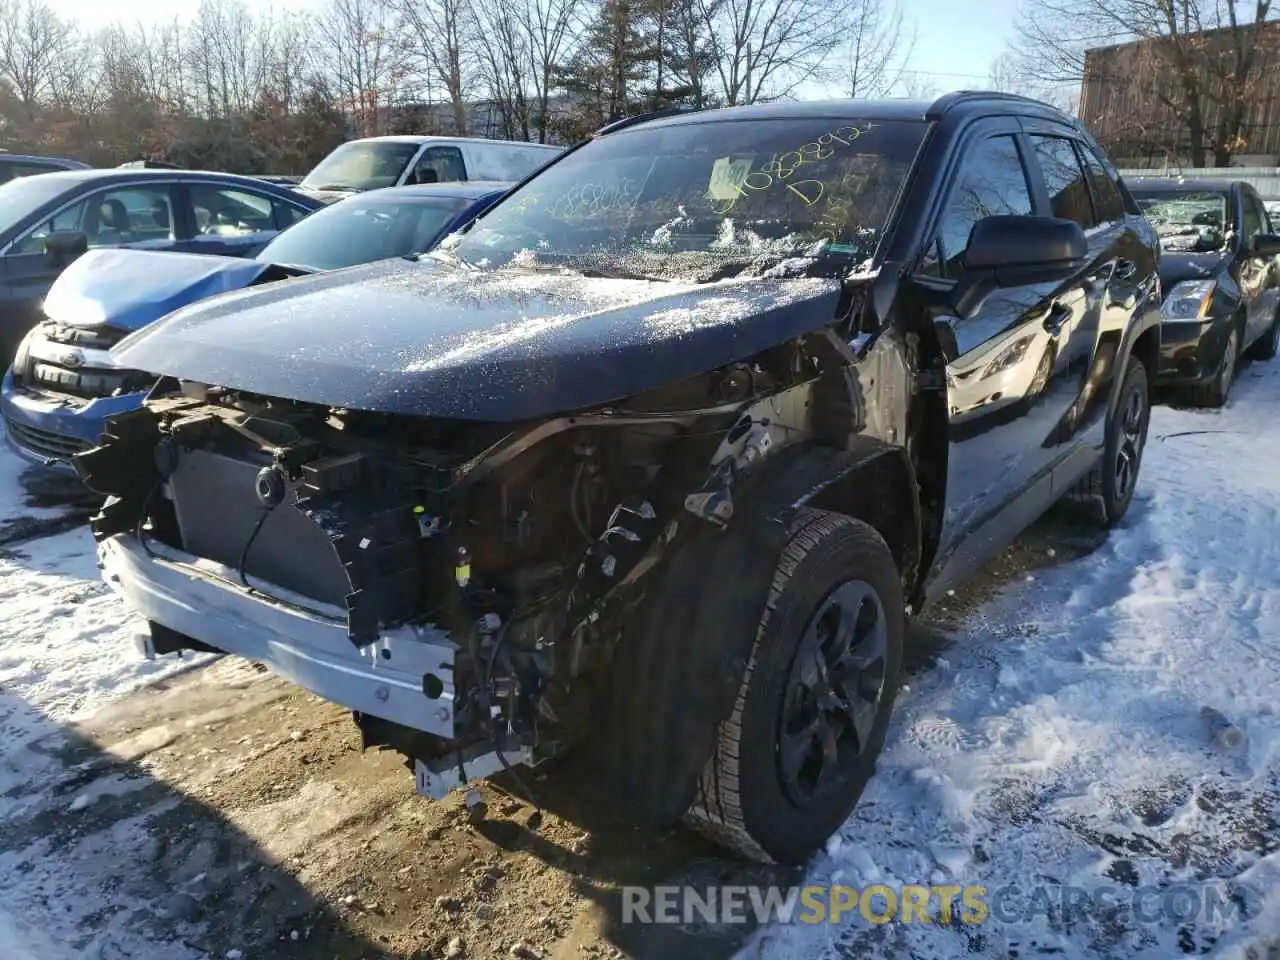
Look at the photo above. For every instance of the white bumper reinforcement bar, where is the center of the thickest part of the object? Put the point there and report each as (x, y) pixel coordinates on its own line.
(406, 676)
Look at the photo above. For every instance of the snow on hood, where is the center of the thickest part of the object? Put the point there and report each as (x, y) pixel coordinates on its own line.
(128, 289)
(435, 339)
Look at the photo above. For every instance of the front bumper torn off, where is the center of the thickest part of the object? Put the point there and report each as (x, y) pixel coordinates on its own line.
(405, 676)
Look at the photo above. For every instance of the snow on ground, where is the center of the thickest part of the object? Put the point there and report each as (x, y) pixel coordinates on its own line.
(1058, 742)
(65, 650)
(1055, 742)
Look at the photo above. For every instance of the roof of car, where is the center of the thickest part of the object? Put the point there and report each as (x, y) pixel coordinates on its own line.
(424, 138)
(466, 189)
(887, 108)
(1178, 184)
(63, 163)
(116, 174)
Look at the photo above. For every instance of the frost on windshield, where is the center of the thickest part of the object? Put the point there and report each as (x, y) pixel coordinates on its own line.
(703, 202)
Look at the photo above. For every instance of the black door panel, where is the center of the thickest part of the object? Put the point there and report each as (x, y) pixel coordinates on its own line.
(1006, 390)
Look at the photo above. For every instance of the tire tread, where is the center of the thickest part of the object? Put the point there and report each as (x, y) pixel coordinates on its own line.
(717, 811)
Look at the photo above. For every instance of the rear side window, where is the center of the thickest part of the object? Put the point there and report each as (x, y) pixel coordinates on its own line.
(1108, 203)
(286, 214)
(227, 212)
(1064, 179)
(992, 182)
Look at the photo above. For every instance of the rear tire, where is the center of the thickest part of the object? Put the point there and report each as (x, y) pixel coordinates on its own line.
(810, 717)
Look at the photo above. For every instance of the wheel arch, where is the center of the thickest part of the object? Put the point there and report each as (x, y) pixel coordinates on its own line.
(1141, 341)
(1146, 348)
(880, 489)
(681, 662)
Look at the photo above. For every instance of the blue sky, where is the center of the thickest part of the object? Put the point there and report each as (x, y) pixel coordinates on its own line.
(955, 40)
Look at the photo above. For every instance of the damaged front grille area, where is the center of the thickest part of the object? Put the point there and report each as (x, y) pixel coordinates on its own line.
(517, 552)
(90, 338)
(44, 443)
(74, 361)
(288, 516)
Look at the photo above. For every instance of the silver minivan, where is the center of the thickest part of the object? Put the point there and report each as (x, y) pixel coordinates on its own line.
(376, 162)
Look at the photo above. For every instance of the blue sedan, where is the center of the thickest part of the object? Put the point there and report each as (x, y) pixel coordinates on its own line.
(63, 384)
(48, 218)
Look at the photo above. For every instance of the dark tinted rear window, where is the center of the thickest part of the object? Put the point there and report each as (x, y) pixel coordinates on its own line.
(1106, 194)
(1068, 191)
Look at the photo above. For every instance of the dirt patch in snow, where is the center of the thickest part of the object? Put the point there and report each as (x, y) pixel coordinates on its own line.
(226, 810)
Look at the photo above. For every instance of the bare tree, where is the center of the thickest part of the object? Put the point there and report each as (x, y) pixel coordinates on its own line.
(917, 85)
(444, 30)
(1198, 62)
(35, 43)
(290, 72)
(1006, 76)
(551, 29)
(361, 48)
(230, 53)
(503, 54)
(766, 49)
(879, 48)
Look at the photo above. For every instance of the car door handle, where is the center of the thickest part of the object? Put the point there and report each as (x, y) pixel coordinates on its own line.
(1058, 315)
(1125, 269)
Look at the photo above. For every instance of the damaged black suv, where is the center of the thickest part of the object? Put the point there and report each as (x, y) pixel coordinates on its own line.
(656, 457)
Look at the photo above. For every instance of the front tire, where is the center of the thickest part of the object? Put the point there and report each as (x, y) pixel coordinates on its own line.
(1105, 494)
(1215, 392)
(810, 717)
(1269, 345)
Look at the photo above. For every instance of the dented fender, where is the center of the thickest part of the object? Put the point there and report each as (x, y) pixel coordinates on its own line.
(694, 641)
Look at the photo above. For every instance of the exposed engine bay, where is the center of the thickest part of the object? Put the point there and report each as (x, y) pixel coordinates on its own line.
(513, 552)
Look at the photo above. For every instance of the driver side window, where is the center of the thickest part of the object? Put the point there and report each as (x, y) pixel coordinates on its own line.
(992, 182)
(110, 218)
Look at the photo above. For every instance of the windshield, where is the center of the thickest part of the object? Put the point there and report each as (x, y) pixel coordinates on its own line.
(361, 229)
(702, 201)
(362, 165)
(21, 197)
(1192, 222)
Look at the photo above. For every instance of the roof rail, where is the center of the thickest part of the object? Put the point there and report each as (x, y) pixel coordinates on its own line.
(954, 99)
(639, 118)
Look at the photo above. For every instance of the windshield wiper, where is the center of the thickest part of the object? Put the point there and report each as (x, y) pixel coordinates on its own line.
(340, 187)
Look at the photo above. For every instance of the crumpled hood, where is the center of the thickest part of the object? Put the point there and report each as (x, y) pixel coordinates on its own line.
(1176, 267)
(128, 289)
(432, 339)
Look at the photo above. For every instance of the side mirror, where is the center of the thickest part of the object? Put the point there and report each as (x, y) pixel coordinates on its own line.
(424, 175)
(1008, 251)
(63, 246)
(1012, 244)
(1265, 245)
